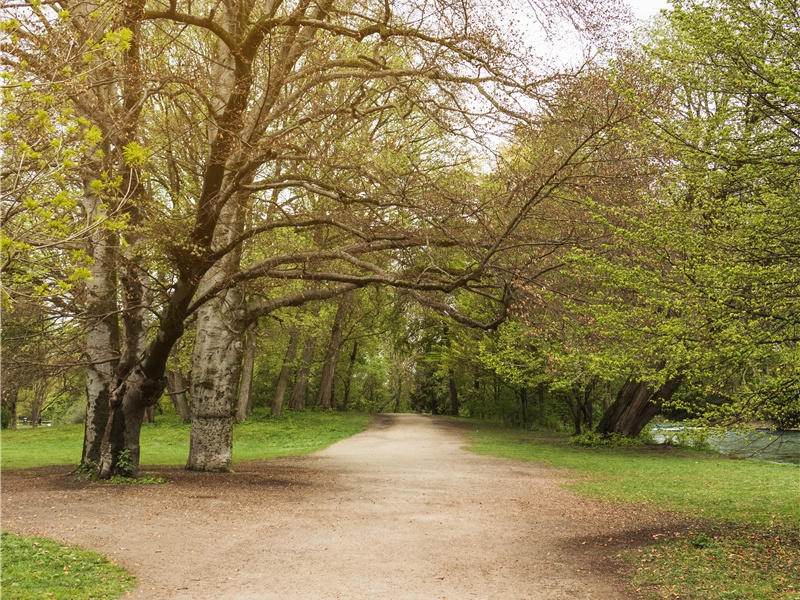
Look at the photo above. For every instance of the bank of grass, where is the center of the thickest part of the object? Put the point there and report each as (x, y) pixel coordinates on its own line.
(166, 442)
(746, 543)
(35, 568)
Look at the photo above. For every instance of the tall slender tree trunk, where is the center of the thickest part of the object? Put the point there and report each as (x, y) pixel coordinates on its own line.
(102, 333)
(285, 374)
(455, 405)
(245, 403)
(523, 398)
(636, 405)
(332, 355)
(587, 405)
(348, 380)
(10, 399)
(40, 389)
(298, 399)
(176, 388)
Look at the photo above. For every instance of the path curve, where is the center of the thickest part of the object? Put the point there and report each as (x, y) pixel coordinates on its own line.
(398, 512)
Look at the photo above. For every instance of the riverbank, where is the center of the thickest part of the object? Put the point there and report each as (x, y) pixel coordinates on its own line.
(745, 541)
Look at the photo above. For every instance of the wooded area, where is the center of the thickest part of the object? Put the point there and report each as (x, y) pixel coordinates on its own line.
(212, 206)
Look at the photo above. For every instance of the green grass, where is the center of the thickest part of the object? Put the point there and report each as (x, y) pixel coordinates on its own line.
(35, 568)
(166, 442)
(747, 544)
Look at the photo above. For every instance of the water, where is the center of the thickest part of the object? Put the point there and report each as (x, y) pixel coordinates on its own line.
(763, 444)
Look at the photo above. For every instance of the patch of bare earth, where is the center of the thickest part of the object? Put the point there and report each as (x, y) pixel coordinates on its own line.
(399, 511)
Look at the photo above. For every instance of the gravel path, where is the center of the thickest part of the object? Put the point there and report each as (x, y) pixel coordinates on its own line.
(398, 512)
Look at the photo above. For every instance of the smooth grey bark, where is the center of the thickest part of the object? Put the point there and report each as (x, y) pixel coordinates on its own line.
(285, 373)
(176, 388)
(325, 394)
(245, 402)
(102, 330)
(298, 399)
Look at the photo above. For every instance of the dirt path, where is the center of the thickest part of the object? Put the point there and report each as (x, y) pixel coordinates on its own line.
(398, 512)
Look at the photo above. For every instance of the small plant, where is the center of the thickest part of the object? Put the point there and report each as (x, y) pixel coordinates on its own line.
(122, 480)
(125, 464)
(86, 470)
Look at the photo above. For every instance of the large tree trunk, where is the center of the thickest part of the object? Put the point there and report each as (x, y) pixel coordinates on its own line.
(102, 333)
(298, 399)
(216, 369)
(245, 402)
(285, 374)
(177, 387)
(332, 355)
(636, 405)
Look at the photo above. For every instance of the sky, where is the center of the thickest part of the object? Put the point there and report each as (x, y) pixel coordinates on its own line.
(646, 8)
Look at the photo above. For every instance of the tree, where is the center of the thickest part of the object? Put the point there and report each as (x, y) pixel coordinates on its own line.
(229, 129)
(709, 280)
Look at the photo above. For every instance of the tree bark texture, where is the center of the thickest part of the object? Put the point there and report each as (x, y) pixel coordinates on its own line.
(332, 355)
(102, 333)
(245, 402)
(523, 398)
(10, 399)
(455, 405)
(635, 406)
(216, 369)
(285, 373)
(298, 399)
(176, 388)
(348, 380)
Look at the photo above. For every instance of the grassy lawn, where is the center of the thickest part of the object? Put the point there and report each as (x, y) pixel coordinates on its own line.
(35, 568)
(746, 547)
(43, 568)
(166, 442)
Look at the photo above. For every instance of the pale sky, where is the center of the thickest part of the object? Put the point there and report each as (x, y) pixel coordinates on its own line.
(646, 8)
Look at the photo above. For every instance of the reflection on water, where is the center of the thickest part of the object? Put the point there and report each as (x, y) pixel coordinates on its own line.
(763, 444)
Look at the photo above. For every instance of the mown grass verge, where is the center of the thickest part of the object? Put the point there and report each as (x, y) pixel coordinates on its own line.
(35, 568)
(747, 542)
(166, 442)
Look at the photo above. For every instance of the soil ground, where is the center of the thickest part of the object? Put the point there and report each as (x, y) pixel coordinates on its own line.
(398, 512)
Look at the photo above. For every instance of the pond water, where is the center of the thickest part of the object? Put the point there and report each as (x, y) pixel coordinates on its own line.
(763, 444)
